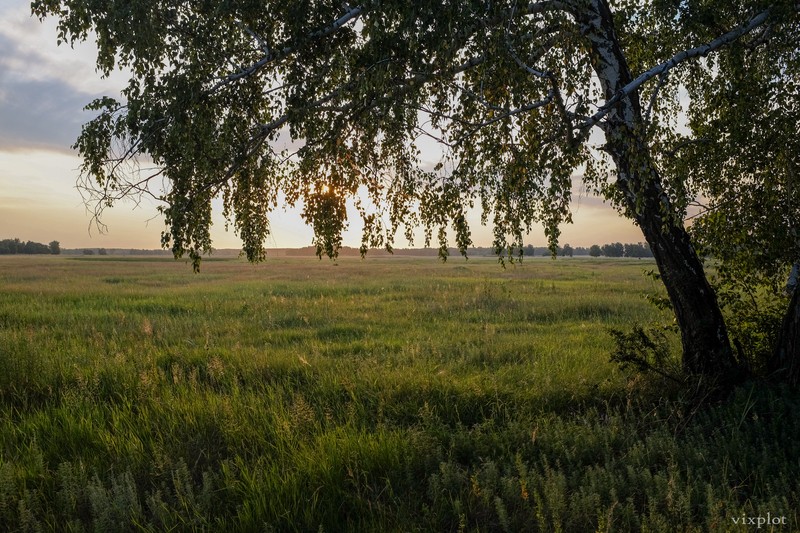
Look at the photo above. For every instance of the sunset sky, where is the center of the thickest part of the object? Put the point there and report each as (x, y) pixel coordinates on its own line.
(43, 89)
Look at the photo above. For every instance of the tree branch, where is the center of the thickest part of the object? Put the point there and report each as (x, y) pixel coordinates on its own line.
(554, 94)
(551, 95)
(404, 85)
(685, 143)
(674, 61)
(548, 5)
(271, 56)
(262, 44)
(352, 13)
(662, 79)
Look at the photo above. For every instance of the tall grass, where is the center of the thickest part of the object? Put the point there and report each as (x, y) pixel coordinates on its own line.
(383, 395)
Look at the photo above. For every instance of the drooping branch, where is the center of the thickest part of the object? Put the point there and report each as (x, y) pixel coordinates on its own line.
(97, 199)
(662, 79)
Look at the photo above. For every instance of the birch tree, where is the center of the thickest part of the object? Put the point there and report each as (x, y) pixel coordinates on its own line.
(741, 161)
(512, 91)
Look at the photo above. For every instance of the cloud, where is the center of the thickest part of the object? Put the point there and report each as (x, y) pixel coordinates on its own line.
(43, 87)
(30, 52)
(40, 114)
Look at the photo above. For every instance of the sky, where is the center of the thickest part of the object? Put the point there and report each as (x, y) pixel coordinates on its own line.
(43, 89)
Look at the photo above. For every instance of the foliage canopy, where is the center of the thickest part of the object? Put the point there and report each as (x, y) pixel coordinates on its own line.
(509, 89)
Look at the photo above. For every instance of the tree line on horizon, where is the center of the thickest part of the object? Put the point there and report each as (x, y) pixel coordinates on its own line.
(16, 246)
(615, 249)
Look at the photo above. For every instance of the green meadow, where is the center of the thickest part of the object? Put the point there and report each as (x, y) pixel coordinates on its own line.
(391, 394)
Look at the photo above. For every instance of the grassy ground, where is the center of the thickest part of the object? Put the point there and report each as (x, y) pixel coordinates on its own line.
(378, 395)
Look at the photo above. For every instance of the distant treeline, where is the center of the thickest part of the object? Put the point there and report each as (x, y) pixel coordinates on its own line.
(115, 251)
(16, 246)
(616, 249)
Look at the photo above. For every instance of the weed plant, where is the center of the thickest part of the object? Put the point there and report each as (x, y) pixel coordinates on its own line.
(377, 395)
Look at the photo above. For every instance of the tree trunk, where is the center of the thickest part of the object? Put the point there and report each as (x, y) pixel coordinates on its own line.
(785, 362)
(704, 337)
(706, 348)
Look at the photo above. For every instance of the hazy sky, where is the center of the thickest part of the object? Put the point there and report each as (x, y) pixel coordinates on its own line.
(43, 89)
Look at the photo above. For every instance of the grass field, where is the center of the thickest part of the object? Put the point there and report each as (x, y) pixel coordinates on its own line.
(377, 395)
